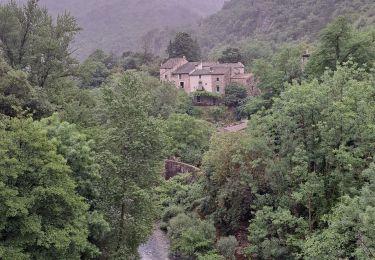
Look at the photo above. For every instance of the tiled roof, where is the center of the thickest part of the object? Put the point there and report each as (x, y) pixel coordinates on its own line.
(207, 68)
(171, 63)
(200, 72)
(210, 71)
(242, 76)
(231, 65)
(186, 68)
(220, 70)
(210, 64)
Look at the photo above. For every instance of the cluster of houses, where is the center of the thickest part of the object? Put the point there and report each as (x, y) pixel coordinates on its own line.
(207, 77)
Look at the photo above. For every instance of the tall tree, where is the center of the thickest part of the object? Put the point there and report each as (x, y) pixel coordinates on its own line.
(184, 45)
(30, 40)
(42, 216)
(79, 152)
(130, 164)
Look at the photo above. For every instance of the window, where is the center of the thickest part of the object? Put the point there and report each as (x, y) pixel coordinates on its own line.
(217, 79)
(182, 84)
(217, 88)
(166, 76)
(198, 99)
(200, 76)
(179, 76)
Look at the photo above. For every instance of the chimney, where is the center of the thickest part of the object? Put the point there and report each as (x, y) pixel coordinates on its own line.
(200, 65)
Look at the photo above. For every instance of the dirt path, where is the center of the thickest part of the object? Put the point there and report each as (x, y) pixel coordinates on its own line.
(235, 128)
(156, 248)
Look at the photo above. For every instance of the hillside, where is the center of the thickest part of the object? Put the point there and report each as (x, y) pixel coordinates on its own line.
(279, 20)
(118, 25)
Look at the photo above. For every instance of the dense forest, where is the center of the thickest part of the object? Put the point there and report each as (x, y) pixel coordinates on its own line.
(279, 21)
(83, 144)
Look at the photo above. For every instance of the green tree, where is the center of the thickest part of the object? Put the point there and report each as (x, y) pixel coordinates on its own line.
(15, 91)
(230, 55)
(77, 149)
(92, 74)
(188, 137)
(184, 45)
(234, 174)
(36, 49)
(317, 155)
(31, 41)
(191, 237)
(234, 95)
(131, 148)
(283, 67)
(275, 234)
(338, 43)
(350, 231)
(227, 247)
(42, 216)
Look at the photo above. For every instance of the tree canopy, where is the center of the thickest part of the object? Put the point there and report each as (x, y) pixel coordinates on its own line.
(184, 45)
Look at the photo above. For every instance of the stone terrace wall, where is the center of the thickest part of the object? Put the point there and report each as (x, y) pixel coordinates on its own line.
(173, 168)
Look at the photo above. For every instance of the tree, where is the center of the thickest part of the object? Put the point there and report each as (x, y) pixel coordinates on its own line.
(37, 52)
(351, 226)
(338, 43)
(188, 137)
(77, 149)
(231, 55)
(130, 160)
(234, 95)
(233, 177)
(283, 67)
(298, 171)
(184, 45)
(319, 152)
(227, 247)
(42, 216)
(31, 41)
(190, 236)
(15, 90)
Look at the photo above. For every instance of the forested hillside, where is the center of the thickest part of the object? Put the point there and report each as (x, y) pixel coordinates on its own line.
(279, 20)
(118, 25)
(83, 145)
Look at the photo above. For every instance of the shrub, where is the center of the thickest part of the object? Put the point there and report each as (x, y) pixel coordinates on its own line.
(171, 212)
(218, 113)
(190, 236)
(234, 94)
(227, 246)
(211, 256)
(163, 226)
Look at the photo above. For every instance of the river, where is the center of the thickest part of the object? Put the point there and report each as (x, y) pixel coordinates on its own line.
(156, 248)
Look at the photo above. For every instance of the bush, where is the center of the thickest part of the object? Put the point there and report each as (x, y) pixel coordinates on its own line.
(188, 138)
(227, 246)
(217, 113)
(211, 256)
(178, 224)
(190, 236)
(234, 95)
(163, 226)
(171, 212)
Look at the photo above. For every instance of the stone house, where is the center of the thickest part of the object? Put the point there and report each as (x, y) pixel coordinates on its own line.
(211, 77)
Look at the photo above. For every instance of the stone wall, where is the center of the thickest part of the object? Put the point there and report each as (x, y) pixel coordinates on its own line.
(173, 168)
